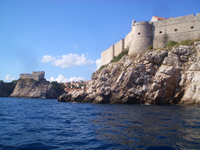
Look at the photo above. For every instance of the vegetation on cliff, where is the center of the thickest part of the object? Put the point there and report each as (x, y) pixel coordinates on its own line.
(59, 87)
(6, 88)
(120, 55)
(159, 76)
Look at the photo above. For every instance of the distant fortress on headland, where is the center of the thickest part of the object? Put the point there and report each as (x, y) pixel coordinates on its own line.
(35, 75)
(155, 33)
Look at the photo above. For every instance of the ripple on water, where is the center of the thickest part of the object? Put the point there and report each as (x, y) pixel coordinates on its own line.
(47, 124)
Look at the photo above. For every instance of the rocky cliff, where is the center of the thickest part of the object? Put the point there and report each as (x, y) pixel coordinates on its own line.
(30, 88)
(162, 76)
(6, 89)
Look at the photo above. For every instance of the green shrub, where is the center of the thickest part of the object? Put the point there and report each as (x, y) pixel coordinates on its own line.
(150, 47)
(59, 87)
(103, 66)
(186, 42)
(171, 43)
(116, 59)
(14, 81)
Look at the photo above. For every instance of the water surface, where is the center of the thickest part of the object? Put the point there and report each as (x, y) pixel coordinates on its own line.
(48, 124)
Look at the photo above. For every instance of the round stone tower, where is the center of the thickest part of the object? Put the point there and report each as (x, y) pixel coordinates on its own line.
(142, 37)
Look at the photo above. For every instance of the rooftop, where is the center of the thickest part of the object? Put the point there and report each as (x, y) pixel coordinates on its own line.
(160, 18)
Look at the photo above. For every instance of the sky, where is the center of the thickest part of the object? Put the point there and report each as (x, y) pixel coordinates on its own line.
(65, 38)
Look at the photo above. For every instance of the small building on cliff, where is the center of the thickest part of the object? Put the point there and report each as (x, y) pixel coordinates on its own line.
(155, 33)
(35, 75)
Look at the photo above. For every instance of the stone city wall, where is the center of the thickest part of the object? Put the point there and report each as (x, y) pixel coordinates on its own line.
(127, 40)
(114, 50)
(176, 29)
(141, 37)
(107, 55)
(118, 47)
(157, 34)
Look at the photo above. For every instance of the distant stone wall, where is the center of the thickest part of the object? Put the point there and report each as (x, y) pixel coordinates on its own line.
(40, 74)
(35, 75)
(29, 76)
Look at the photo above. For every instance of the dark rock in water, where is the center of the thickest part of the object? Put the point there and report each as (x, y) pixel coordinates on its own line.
(30, 88)
(6, 89)
(158, 77)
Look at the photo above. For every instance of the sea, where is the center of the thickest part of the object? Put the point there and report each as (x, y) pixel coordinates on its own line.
(46, 124)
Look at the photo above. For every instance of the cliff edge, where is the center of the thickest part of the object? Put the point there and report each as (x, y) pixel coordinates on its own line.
(30, 88)
(162, 76)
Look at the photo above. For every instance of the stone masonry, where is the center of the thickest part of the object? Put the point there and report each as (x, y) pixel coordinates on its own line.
(35, 75)
(155, 33)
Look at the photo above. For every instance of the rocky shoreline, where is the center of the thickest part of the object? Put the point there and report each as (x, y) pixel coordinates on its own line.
(160, 77)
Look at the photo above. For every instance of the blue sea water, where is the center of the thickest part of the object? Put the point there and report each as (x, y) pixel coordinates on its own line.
(48, 124)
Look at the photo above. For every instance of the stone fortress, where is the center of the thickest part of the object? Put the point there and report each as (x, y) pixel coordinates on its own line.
(155, 33)
(35, 75)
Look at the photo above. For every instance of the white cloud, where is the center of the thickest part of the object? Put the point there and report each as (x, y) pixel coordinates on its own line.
(68, 60)
(98, 63)
(47, 58)
(62, 79)
(9, 78)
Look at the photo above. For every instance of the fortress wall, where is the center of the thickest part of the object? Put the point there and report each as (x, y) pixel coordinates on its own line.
(127, 40)
(160, 41)
(140, 29)
(107, 55)
(29, 76)
(35, 75)
(177, 20)
(142, 37)
(177, 29)
(40, 74)
(118, 47)
(158, 33)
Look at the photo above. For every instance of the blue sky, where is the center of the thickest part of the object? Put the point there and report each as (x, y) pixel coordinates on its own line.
(65, 38)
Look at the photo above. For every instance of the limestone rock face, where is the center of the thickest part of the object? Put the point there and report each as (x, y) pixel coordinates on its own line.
(156, 77)
(30, 88)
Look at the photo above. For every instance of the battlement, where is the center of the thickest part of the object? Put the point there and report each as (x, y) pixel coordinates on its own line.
(155, 33)
(35, 75)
